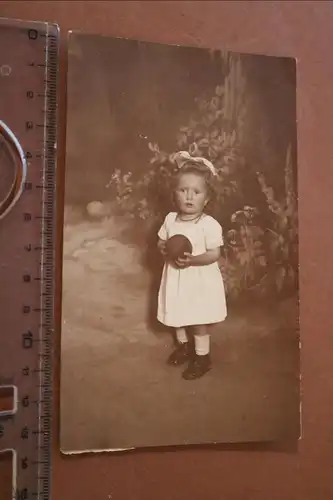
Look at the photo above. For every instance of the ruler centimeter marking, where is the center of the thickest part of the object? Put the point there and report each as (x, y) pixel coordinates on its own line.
(28, 105)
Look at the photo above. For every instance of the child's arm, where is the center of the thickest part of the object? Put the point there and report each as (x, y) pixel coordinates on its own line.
(213, 242)
(206, 258)
(161, 245)
(203, 259)
(163, 235)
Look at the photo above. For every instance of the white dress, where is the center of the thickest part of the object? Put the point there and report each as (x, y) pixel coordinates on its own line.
(194, 295)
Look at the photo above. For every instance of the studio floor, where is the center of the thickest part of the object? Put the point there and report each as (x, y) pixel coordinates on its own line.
(117, 390)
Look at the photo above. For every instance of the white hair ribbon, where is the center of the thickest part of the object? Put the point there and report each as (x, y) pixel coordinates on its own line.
(182, 157)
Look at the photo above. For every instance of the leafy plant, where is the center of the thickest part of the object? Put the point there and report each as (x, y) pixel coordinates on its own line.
(246, 258)
(284, 230)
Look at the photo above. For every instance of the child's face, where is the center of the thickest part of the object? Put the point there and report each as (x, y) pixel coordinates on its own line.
(191, 194)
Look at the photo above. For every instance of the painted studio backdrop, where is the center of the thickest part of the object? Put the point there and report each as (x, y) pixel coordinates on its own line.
(131, 106)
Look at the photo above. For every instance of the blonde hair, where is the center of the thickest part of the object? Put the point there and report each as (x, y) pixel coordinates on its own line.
(194, 167)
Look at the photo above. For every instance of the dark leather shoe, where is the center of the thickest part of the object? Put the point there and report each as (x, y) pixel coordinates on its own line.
(180, 355)
(197, 367)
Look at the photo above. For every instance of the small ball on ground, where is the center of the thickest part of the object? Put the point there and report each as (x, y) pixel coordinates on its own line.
(97, 209)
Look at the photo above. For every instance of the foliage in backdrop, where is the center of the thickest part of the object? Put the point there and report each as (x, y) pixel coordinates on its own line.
(261, 242)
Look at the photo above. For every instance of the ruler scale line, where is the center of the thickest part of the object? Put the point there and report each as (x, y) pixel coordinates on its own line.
(28, 106)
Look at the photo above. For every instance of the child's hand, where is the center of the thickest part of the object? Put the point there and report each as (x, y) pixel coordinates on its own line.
(184, 261)
(162, 247)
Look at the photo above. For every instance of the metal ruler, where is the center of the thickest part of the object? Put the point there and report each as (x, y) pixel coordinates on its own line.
(28, 112)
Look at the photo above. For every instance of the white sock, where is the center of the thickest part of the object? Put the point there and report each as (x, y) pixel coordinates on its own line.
(181, 335)
(202, 344)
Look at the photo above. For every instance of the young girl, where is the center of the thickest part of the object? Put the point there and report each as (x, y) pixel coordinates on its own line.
(191, 296)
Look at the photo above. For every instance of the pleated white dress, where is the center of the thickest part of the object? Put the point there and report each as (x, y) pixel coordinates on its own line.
(194, 295)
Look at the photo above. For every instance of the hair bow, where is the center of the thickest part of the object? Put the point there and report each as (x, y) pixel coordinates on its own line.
(182, 157)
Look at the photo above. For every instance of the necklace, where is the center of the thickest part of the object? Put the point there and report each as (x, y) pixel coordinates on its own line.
(196, 218)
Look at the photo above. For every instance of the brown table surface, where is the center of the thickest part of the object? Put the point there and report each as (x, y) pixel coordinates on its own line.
(299, 29)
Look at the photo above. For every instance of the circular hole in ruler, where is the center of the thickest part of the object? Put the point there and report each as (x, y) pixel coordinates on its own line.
(13, 170)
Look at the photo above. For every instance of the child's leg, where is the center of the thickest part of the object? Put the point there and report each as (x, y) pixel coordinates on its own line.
(181, 335)
(201, 340)
(182, 352)
(201, 364)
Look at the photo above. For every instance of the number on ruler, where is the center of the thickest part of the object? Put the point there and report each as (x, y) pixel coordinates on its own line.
(30, 94)
(26, 401)
(29, 125)
(27, 278)
(32, 34)
(24, 463)
(22, 494)
(26, 371)
(27, 217)
(25, 432)
(27, 340)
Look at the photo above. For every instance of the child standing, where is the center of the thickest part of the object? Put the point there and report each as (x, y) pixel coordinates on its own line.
(191, 296)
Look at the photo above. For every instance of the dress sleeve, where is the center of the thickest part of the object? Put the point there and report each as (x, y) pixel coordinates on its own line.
(163, 231)
(213, 234)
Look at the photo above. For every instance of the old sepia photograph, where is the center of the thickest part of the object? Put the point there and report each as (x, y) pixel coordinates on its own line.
(180, 293)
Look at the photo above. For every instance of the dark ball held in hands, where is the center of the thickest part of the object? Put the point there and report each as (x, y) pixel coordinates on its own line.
(177, 245)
